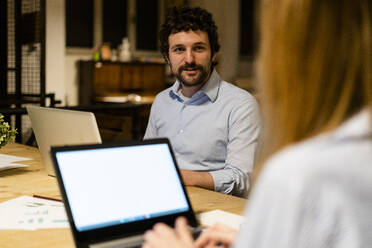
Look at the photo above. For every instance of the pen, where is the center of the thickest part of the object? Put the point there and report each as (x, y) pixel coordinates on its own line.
(47, 198)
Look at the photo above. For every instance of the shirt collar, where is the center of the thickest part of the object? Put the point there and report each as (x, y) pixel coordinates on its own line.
(358, 126)
(212, 86)
(210, 89)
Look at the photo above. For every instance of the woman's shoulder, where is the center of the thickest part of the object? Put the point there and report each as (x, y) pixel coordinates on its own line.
(320, 161)
(336, 150)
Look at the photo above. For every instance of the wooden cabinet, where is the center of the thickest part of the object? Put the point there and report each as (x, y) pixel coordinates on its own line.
(112, 81)
(97, 79)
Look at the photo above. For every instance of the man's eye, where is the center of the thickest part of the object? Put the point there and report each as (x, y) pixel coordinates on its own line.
(178, 49)
(199, 48)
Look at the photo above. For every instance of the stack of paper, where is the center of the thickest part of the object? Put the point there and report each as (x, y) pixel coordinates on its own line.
(30, 213)
(213, 217)
(8, 161)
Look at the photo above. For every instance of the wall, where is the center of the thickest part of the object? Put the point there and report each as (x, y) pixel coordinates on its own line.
(71, 72)
(55, 48)
(225, 14)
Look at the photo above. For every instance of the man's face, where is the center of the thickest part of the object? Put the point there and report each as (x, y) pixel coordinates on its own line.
(190, 57)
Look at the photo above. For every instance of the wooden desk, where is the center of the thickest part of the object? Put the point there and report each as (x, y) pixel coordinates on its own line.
(34, 180)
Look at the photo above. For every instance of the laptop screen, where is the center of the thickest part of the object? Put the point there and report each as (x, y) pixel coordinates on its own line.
(108, 186)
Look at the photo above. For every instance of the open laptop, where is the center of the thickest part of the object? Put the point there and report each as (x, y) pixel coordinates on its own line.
(61, 127)
(114, 192)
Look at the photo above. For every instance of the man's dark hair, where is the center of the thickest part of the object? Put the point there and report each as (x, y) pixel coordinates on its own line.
(185, 18)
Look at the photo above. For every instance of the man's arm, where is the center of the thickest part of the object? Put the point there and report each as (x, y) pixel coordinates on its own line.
(198, 178)
(151, 131)
(243, 133)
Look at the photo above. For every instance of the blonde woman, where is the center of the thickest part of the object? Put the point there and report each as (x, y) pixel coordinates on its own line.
(315, 184)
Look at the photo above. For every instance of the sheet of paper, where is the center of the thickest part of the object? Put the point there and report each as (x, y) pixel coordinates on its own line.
(11, 166)
(30, 213)
(11, 158)
(8, 161)
(219, 216)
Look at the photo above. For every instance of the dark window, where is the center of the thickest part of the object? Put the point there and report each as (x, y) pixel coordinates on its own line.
(79, 23)
(247, 28)
(146, 24)
(115, 21)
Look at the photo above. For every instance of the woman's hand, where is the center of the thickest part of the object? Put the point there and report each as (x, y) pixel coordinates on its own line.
(218, 235)
(162, 236)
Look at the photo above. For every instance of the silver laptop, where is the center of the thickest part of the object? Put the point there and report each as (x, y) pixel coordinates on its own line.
(61, 127)
(114, 192)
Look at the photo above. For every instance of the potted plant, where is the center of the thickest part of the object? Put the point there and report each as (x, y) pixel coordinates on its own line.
(6, 132)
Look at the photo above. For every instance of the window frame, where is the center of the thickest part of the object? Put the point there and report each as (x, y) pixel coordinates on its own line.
(131, 27)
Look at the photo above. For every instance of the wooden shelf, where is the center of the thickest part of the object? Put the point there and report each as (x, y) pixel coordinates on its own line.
(100, 79)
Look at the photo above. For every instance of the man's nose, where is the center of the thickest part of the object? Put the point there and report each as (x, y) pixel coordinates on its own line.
(189, 57)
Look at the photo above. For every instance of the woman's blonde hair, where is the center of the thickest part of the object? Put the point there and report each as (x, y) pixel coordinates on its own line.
(314, 66)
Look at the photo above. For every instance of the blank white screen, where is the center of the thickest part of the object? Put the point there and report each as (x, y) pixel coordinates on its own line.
(121, 183)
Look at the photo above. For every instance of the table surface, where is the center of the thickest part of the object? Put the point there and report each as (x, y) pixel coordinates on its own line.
(34, 180)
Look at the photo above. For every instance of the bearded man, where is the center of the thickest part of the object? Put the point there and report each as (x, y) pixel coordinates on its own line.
(213, 125)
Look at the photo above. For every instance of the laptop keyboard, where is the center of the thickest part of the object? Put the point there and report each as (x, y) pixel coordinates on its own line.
(196, 231)
(135, 241)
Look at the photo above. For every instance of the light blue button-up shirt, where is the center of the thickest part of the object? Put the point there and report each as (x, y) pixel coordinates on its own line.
(216, 130)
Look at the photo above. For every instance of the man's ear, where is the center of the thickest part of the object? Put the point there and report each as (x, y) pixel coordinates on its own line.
(166, 58)
(214, 57)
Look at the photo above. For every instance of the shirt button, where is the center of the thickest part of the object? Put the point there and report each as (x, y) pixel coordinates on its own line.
(181, 131)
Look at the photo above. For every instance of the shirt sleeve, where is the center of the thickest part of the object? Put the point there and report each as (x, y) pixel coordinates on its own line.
(243, 133)
(151, 131)
(267, 216)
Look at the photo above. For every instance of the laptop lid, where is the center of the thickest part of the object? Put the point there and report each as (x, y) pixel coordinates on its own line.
(120, 189)
(61, 127)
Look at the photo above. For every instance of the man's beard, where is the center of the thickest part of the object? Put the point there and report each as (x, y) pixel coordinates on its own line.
(194, 82)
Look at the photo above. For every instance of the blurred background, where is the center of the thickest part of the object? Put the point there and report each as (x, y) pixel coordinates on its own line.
(103, 56)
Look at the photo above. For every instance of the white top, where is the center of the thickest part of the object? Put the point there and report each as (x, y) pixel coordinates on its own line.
(315, 194)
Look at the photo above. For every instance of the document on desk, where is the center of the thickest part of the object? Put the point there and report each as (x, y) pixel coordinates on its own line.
(30, 213)
(10, 161)
(219, 216)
